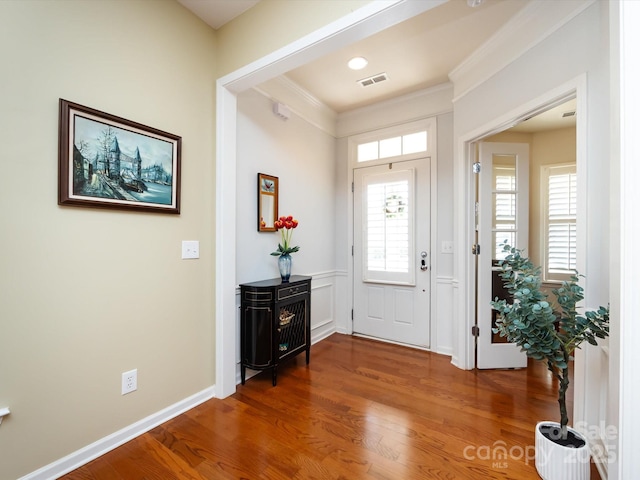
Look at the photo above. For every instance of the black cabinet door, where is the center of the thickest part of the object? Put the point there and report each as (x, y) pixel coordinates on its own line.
(274, 322)
(257, 337)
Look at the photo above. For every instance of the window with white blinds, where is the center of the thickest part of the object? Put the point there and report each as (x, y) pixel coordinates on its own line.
(505, 195)
(388, 227)
(560, 200)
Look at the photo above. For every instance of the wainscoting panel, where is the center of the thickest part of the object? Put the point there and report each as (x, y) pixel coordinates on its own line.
(442, 333)
(322, 307)
(342, 310)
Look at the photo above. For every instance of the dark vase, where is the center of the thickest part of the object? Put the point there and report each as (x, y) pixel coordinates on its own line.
(284, 264)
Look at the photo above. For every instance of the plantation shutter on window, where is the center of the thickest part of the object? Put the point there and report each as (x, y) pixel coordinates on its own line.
(504, 204)
(387, 229)
(560, 222)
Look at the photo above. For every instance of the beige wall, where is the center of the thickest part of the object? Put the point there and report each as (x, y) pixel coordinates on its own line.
(545, 148)
(87, 294)
(273, 24)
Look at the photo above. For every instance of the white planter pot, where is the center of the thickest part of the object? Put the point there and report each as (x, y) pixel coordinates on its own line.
(558, 462)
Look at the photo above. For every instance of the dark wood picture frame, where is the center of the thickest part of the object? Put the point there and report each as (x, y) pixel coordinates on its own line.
(105, 161)
(267, 202)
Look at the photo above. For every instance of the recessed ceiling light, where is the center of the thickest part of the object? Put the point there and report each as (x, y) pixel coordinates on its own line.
(357, 63)
(474, 3)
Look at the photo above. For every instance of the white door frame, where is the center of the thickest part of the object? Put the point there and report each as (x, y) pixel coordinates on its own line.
(488, 353)
(431, 261)
(625, 331)
(363, 22)
(464, 230)
(431, 126)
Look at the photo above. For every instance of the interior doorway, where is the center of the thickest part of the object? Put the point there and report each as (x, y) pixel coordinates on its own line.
(361, 23)
(526, 196)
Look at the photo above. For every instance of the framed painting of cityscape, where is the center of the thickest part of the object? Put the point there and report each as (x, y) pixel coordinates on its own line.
(109, 162)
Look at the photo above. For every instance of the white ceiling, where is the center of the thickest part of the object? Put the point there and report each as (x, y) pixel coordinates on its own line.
(555, 118)
(416, 54)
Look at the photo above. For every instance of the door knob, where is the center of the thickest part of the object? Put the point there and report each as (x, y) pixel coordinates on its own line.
(423, 263)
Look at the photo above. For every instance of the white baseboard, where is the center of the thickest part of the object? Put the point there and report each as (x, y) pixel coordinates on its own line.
(322, 331)
(91, 452)
(446, 351)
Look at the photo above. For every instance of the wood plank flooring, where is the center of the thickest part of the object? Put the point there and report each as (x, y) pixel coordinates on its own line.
(360, 410)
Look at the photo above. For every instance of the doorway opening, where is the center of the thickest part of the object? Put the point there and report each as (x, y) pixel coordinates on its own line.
(526, 196)
(361, 23)
(393, 178)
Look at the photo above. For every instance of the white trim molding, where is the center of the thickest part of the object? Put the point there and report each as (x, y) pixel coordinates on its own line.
(415, 106)
(464, 269)
(534, 23)
(110, 442)
(302, 103)
(625, 257)
(442, 322)
(371, 18)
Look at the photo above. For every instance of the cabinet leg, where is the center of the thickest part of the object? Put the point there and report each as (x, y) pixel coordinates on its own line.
(275, 376)
(308, 352)
(242, 373)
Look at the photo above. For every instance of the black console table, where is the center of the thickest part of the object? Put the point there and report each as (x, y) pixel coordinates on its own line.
(274, 323)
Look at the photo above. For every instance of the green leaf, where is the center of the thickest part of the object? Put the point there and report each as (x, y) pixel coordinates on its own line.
(529, 321)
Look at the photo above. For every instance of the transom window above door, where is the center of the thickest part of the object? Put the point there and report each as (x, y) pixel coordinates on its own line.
(393, 147)
(402, 142)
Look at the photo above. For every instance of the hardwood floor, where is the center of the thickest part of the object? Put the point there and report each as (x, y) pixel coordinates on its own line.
(360, 410)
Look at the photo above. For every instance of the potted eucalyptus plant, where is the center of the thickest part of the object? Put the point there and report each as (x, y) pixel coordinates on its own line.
(529, 320)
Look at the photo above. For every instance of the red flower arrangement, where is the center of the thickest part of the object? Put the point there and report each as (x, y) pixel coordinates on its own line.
(285, 225)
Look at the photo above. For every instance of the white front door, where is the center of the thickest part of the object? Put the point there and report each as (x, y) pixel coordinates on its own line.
(392, 252)
(503, 210)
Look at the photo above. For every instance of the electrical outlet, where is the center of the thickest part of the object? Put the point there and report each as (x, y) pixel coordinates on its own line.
(129, 381)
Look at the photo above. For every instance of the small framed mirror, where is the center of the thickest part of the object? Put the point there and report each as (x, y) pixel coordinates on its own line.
(267, 202)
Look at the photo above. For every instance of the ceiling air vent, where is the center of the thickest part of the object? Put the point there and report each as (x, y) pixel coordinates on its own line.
(568, 114)
(380, 77)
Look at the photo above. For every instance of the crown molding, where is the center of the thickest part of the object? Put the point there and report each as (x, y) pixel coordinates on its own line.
(425, 103)
(301, 102)
(305, 95)
(533, 24)
(408, 97)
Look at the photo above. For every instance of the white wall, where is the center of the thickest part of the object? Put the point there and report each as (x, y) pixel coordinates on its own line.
(267, 142)
(303, 158)
(579, 49)
(442, 341)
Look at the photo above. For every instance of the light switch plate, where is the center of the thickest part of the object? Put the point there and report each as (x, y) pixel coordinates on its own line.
(190, 249)
(447, 246)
